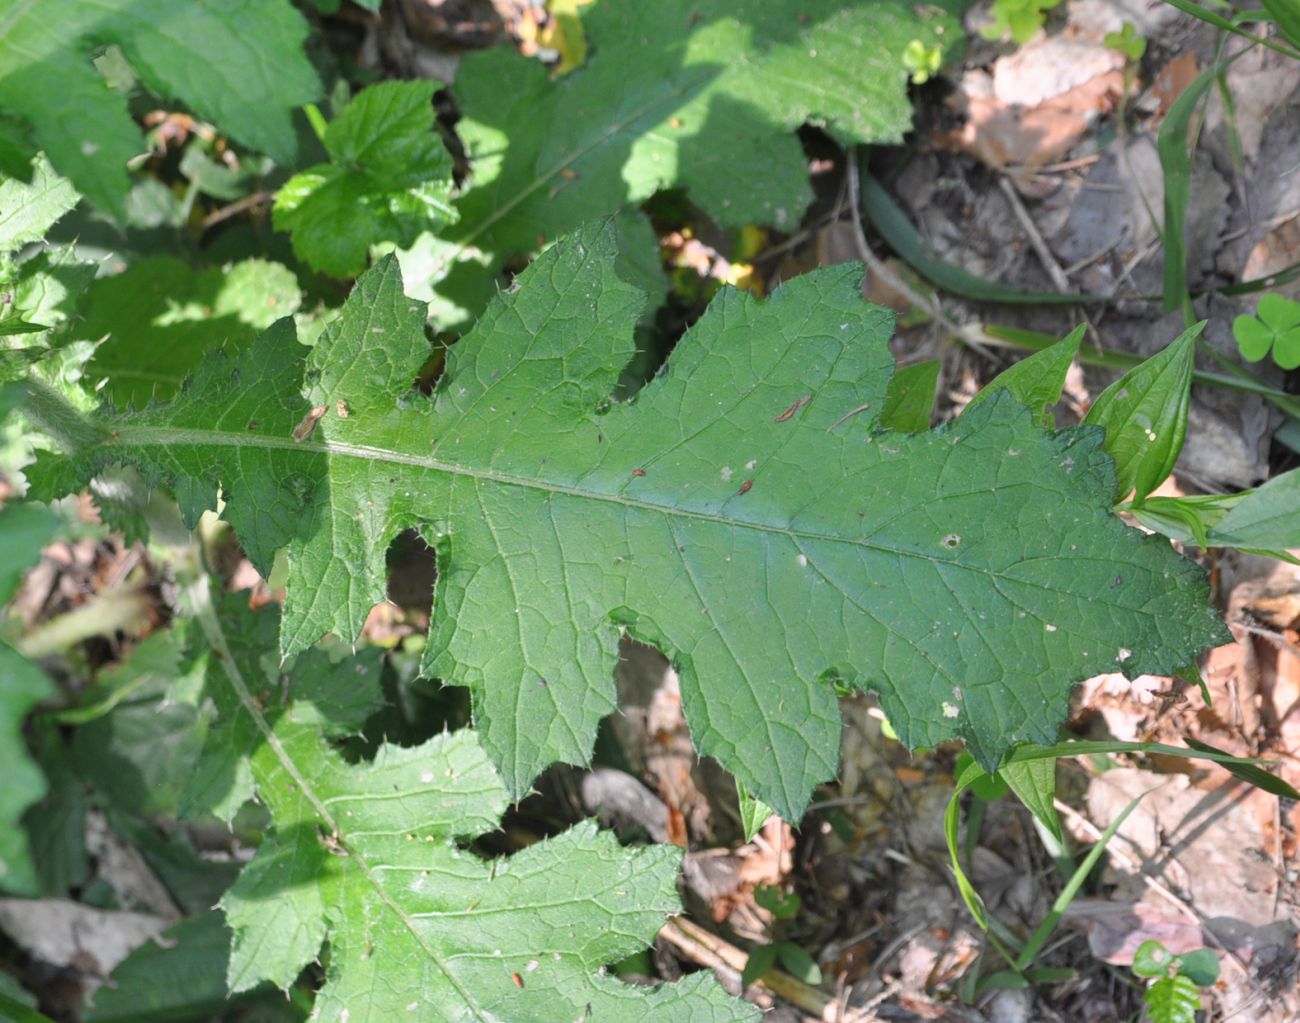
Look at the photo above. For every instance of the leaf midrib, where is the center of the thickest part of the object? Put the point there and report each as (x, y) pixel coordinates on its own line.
(201, 604)
(149, 436)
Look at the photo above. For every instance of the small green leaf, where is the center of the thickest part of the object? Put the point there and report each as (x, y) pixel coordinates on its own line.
(1267, 517)
(1254, 337)
(1276, 326)
(1172, 1000)
(760, 961)
(1201, 966)
(1152, 959)
(1002, 980)
(1144, 414)
(798, 963)
(753, 812)
(389, 179)
(1127, 41)
(211, 177)
(781, 904)
(1034, 783)
(1188, 519)
(29, 210)
(1037, 381)
(1024, 24)
(922, 61)
(909, 402)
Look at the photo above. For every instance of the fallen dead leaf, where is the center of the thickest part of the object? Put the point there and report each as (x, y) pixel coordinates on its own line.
(67, 934)
(1018, 137)
(1172, 79)
(1115, 929)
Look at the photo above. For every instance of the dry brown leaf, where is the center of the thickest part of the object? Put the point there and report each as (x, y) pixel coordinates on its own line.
(1172, 79)
(1025, 138)
(1116, 929)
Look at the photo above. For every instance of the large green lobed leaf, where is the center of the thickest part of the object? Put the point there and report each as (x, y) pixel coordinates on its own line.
(704, 96)
(239, 63)
(745, 513)
(365, 856)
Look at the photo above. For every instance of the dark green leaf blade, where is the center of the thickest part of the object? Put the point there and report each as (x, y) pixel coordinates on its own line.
(161, 316)
(1144, 414)
(1200, 966)
(24, 530)
(909, 402)
(798, 962)
(240, 65)
(181, 976)
(675, 94)
(1037, 381)
(904, 239)
(1176, 163)
(760, 961)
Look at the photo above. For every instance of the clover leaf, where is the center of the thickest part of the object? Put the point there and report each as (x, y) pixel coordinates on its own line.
(1275, 325)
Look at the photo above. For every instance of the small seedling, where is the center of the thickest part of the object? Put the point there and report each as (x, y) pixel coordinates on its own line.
(922, 61)
(796, 960)
(1276, 326)
(1021, 18)
(1174, 995)
(1127, 41)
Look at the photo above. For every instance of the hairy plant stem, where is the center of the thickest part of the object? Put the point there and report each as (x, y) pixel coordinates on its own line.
(51, 413)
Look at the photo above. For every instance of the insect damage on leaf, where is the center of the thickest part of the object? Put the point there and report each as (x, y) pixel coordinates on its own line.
(966, 573)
